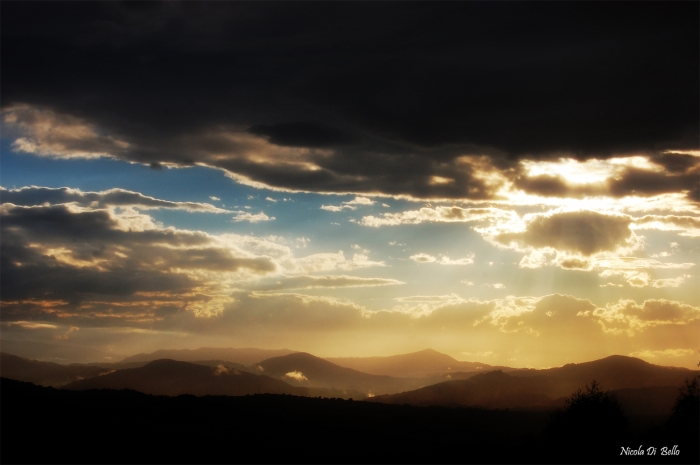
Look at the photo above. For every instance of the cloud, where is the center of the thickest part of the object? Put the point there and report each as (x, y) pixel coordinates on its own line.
(58, 135)
(296, 376)
(252, 218)
(286, 120)
(423, 258)
(324, 282)
(221, 369)
(644, 279)
(29, 325)
(583, 232)
(35, 196)
(495, 285)
(350, 205)
(688, 225)
(444, 260)
(635, 263)
(331, 261)
(662, 353)
(334, 208)
(62, 260)
(640, 175)
(439, 214)
(360, 201)
(626, 316)
(303, 134)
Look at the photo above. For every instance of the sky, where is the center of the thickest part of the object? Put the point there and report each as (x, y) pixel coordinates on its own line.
(508, 183)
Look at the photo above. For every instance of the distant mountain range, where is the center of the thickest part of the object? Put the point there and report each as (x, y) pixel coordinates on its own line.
(303, 369)
(45, 373)
(172, 378)
(642, 388)
(242, 356)
(637, 382)
(427, 363)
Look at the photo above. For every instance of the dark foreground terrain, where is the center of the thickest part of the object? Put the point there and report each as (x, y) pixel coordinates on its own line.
(46, 425)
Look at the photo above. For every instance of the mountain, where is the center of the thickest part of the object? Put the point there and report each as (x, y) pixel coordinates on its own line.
(172, 378)
(613, 372)
(303, 369)
(44, 373)
(423, 364)
(242, 356)
(638, 383)
(57, 352)
(488, 390)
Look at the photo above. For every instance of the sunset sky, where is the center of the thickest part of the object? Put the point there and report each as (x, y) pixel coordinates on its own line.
(508, 183)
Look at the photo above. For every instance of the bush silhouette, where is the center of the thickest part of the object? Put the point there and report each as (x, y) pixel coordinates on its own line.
(592, 419)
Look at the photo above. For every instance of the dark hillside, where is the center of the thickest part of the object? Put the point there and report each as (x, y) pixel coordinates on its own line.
(423, 364)
(318, 372)
(247, 356)
(172, 378)
(45, 373)
(44, 425)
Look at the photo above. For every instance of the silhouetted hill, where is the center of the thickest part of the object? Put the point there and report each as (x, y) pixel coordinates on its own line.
(247, 356)
(303, 369)
(57, 352)
(487, 390)
(44, 373)
(423, 364)
(172, 378)
(40, 424)
(614, 372)
(638, 383)
(124, 365)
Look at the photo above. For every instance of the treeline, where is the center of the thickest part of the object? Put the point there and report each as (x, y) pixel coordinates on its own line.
(46, 425)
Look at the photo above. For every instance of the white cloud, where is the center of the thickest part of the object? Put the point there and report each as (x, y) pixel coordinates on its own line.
(331, 261)
(687, 225)
(253, 218)
(349, 205)
(360, 201)
(439, 214)
(214, 198)
(460, 261)
(444, 260)
(495, 285)
(644, 279)
(296, 375)
(423, 258)
(334, 208)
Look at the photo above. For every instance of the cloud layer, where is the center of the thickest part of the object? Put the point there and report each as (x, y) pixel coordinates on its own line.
(427, 101)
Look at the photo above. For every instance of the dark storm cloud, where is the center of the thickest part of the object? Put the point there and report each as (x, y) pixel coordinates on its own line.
(303, 134)
(384, 96)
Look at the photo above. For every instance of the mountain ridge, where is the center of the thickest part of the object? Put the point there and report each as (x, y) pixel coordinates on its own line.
(538, 388)
(244, 356)
(174, 377)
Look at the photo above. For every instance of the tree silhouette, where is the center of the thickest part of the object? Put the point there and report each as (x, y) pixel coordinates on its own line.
(592, 421)
(684, 422)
